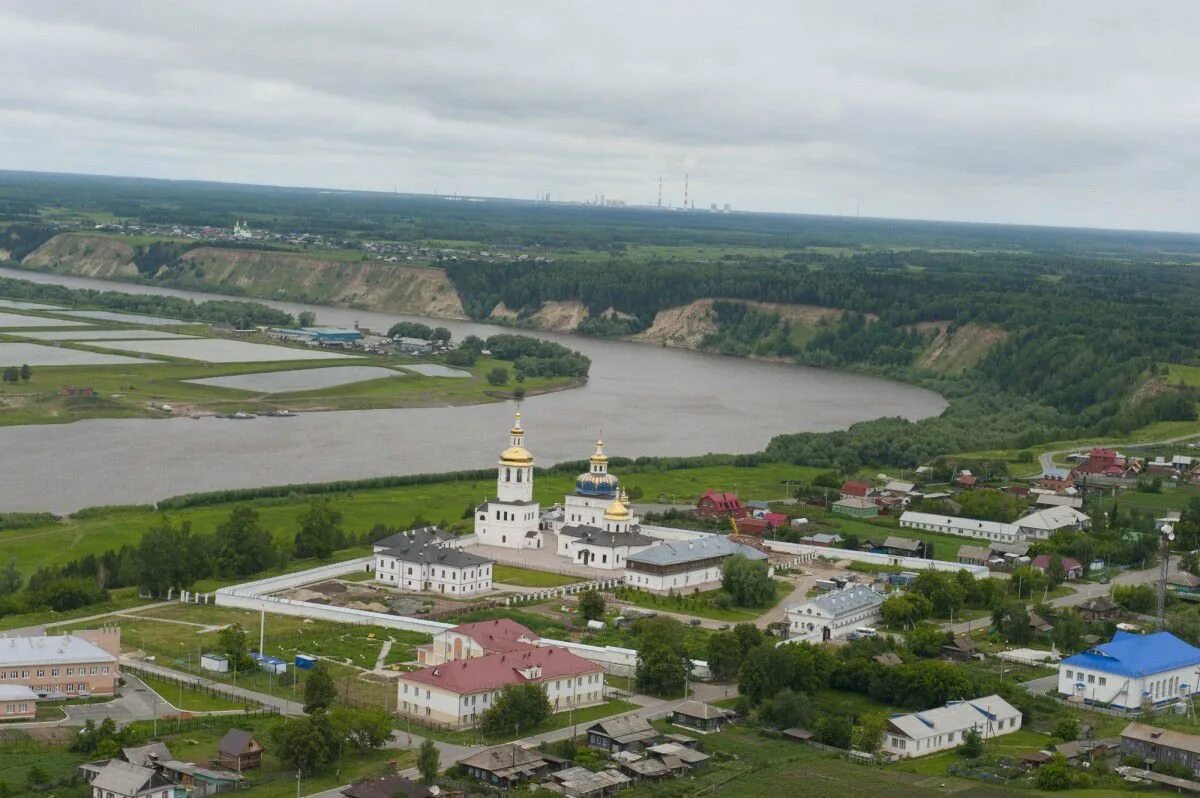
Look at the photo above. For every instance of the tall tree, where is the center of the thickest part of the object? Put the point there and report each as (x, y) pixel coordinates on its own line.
(747, 581)
(319, 690)
(428, 762)
(320, 532)
(591, 605)
(26, 372)
(10, 579)
(242, 546)
(519, 706)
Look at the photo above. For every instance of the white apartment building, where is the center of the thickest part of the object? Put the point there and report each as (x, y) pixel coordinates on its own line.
(834, 614)
(1131, 671)
(426, 561)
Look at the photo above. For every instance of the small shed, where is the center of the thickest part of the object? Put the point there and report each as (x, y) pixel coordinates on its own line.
(218, 663)
(238, 750)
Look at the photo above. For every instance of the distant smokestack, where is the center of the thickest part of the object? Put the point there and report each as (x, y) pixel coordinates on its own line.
(685, 189)
(660, 191)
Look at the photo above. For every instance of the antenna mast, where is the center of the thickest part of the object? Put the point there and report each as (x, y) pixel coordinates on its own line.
(685, 190)
(660, 191)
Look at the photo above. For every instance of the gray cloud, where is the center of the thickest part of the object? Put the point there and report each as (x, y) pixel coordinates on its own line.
(1069, 113)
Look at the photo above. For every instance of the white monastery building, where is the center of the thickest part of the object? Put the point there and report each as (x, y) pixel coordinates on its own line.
(1038, 525)
(427, 560)
(834, 614)
(943, 728)
(456, 693)
(511, 519)
(471, 640)
(1132, 671)
(684, 564)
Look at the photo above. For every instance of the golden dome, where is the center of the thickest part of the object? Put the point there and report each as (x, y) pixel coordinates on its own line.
(617, 511)
(516, 428)
(516, 456)
(599, 456)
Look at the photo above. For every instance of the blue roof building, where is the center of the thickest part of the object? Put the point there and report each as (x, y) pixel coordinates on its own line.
(1132, 671)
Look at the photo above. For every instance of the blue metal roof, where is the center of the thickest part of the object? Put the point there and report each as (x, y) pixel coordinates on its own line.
(1134, 655)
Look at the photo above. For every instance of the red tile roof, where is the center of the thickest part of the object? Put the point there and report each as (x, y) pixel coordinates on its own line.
(726, 501)
(859, 489)
(1042, 562)
(776, 519)
(499, 635)
(495, 671)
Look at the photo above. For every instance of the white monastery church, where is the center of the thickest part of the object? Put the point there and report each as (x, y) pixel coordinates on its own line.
(511, 519)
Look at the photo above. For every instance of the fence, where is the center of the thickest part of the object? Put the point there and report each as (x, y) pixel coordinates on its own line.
(195, 684)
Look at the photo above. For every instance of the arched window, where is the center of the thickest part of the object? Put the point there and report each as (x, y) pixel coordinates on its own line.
(519, 474)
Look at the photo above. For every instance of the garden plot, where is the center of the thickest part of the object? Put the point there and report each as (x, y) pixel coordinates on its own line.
(18, 321)
(101, 335)
(436, 370)
(220, 350)
(299, 379)
(15, 354)
(15, 305)
(127, 318)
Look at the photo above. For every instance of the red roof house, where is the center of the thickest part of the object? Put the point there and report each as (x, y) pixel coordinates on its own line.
(967, 480)
(776, 520)
(720, 506)
(499, 635)
(859, 490)
(1070, 565)
(753, 526)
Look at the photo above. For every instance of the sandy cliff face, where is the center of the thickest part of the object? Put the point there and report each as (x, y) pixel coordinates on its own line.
(372, 285)
(102, 257)
(956, 352)
(684, 326)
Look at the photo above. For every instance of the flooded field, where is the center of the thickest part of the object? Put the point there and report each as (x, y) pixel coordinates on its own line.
(436, 370)
(299, 379)
(128, 318)
(101, 335)
(20, 321)
(38, 355)
(220, 350)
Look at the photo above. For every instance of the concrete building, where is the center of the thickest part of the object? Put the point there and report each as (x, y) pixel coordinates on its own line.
(855, 507)
(685, 564)
(511, 519)
(317, 335)
(17, 702)
(834, 614)
(1038, 525)
(920, 733)
(1041, 524)
(472, 640)
(426, 560)
(454, 694)
(1131, 671)
(82, 663)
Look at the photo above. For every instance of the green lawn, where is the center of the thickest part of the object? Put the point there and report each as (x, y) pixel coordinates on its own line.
(120, 599)
(349, 650)
(527, 577)
(189, 699)
(702, 604)
(443, 503)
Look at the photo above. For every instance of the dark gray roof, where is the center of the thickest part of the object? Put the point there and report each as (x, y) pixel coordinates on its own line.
(598, 537)
(628, 729)
(433, 554)
(704, 548)
(423, 534)
(235, 742)
(146, 754)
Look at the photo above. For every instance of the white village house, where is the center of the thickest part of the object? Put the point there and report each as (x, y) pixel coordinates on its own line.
(455, 693)
(428, 560)
(943, 728)
(1132, 671)
(834, 614)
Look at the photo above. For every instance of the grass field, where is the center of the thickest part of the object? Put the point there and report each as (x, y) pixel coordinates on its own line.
(177, 635)
(527, 577)
(443, 503)
(186, 698)
(702, 605)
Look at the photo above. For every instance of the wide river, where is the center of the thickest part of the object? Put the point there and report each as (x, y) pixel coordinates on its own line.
(645, 400)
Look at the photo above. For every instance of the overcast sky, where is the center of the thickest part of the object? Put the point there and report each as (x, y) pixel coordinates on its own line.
(1075, 113)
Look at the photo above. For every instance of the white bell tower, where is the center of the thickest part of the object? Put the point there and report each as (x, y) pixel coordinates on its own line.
(514, 474)
(512, 519)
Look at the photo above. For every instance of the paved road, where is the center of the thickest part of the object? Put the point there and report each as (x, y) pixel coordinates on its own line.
(1083, 592)
(1046, 459)
(36, 631)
